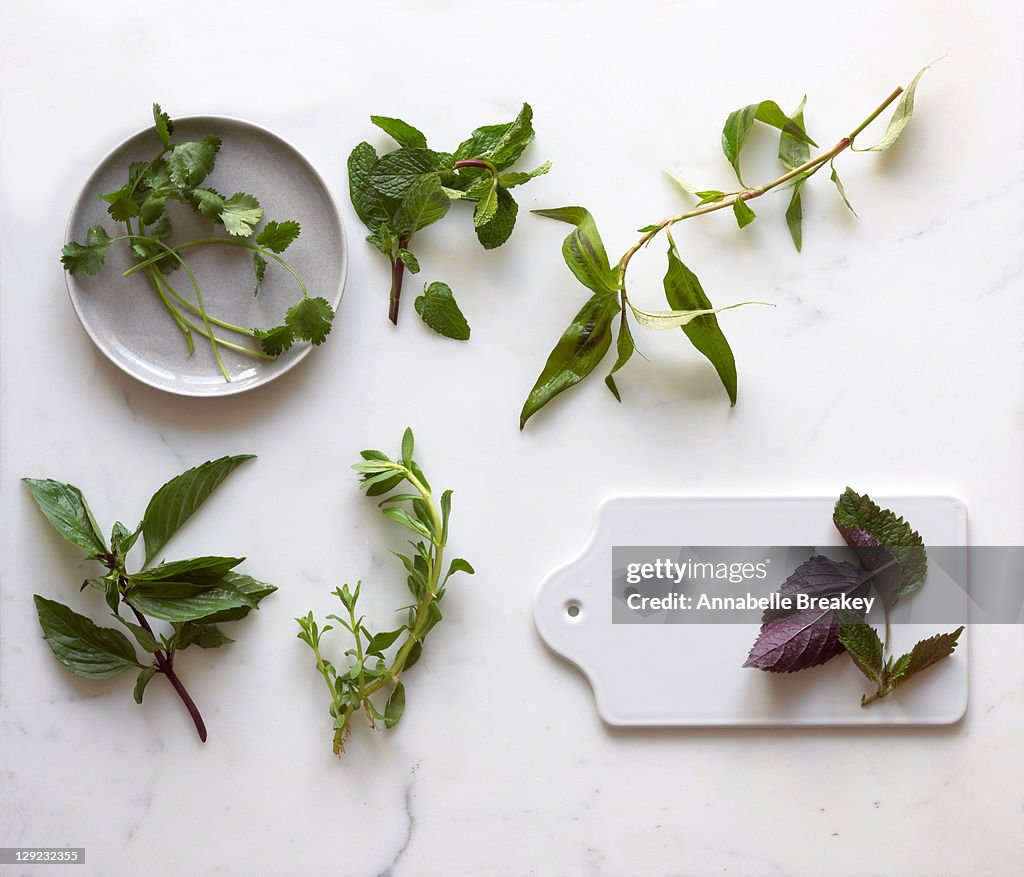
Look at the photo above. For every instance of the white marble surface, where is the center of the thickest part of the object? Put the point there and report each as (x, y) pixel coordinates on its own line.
(893, 362)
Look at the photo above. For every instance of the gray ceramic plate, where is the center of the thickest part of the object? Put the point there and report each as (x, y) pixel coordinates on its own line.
(129, 323)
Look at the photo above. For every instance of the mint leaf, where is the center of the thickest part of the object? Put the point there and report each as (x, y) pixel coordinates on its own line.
(684, 292)
(487, 206)
(67, 511)
(163, 124)
(584, 251)
(862, 642)
(402, 132)
(409, 260)
(794, 639)
(179, 498)
(274, 341)
(394, 174)
(278, 236)
(498, 228)
(739, 123)
(424, 203)
(191, 163)
(240, 213)
(87, 650)
(501, 145)
(577, 353)
(439, 310)
(87, 258)
(310, 319)
(744, 215)
(885, 543)
(923, 655)
(517, 178)
(369, 204)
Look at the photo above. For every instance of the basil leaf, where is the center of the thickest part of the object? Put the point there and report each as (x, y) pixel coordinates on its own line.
(191, 607)
(142, 681)
(67, 511)
(86, 649)
(577, 353)
(174, 503)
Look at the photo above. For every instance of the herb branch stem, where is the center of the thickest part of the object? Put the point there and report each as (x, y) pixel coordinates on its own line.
(807, 168)
(165, 665)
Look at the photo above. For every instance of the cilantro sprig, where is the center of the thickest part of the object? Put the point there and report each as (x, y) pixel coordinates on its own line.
(377, 661)
(193, 596)
(177, 174)
(585, 342)
(403, 191)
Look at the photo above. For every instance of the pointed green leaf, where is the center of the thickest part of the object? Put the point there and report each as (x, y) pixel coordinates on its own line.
(87, 650)
(175, 502)
(577, 353)
(795, 217)
(744, 215)
(683, 292)
(924, 654)
(517, 178)
(409, 260)
(900, 117)
(67, 511)
(401, 132)
(501, 145)
(403, 518)
(625, 348)
(739, 123)
(794, 151)
(394, 174)
(839, 185)
(424, 203)
(395, 707)
(142, 681)
(862, 642)
(408, 446)
(372, 208)
(584, 251)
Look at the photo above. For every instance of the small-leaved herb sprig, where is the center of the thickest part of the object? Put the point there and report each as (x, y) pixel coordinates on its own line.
(377, 661)
(587, 339)
(892, 563)
(194, 596)
(177, 173)
(407, 189)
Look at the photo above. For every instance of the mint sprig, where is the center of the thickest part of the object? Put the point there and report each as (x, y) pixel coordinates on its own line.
(194, 596)
(177, 174)
(377, 661)
(584, 344)
(401, 192)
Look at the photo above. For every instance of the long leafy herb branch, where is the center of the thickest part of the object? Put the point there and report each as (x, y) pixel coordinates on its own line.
(588, 337)
(194, 596)
(377, 661)
(178, 173)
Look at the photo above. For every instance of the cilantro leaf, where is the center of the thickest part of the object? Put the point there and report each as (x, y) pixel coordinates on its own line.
(439, 310)
(163, 124)
(275, 341)
(259, 269)
(278, 236)
(190, 163)
(87, 258)
(207, 202)
(240, 214)
(310, 319)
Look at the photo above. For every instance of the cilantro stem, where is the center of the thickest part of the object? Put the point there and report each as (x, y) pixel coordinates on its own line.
(807, 168)
(202, 310)
(241, 330)
(164, 664)
(183, 324)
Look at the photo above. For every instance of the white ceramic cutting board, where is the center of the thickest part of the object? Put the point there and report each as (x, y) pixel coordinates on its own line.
(691, 674)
